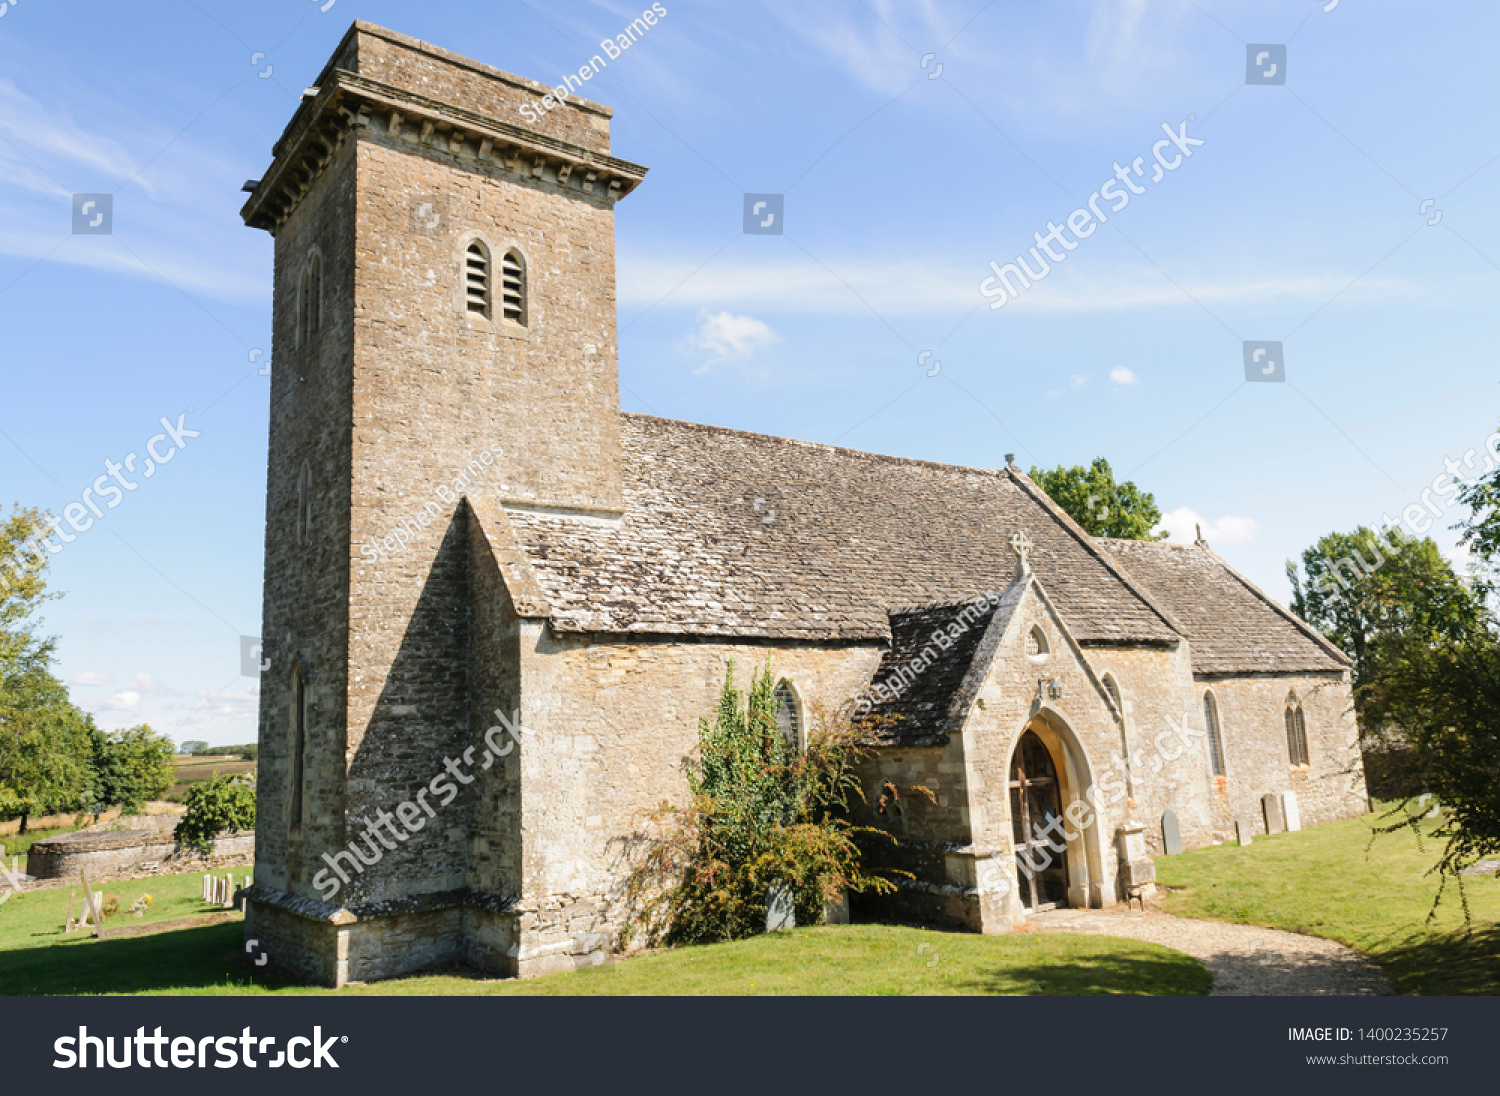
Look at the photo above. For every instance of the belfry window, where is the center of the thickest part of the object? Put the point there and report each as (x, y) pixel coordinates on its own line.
(477, 279)
(513, 278)
(1215, 733)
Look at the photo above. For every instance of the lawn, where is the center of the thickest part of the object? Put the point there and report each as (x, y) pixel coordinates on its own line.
(1332, 881)
(866, 960)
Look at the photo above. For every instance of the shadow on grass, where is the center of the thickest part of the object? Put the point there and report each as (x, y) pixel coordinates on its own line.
(1458, 963)
(188, 959)
(1099, 976)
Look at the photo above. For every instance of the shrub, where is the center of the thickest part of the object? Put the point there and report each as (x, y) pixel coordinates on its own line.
(761, 815)
(218, 805)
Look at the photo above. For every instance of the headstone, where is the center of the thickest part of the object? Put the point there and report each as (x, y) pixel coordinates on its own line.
(836, 912)
(1271, 804)
(1290, 812)
(1171, 833)
(1244, 831)
(780, 911)
(229, 898)
(206, 878)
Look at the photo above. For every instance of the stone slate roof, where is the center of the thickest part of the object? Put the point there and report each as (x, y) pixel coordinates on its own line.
(727, 533)
(1232, 627)
(934, 703)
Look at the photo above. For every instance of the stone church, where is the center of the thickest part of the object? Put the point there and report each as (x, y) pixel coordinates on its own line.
(496, 605)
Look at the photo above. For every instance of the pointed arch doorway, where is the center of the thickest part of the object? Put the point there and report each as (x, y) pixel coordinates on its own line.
(1035, 801)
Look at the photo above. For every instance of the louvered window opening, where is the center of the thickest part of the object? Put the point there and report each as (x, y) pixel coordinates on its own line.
(477, 280)
(513, 288)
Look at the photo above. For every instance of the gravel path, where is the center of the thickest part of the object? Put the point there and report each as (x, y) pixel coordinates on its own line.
(1245, 961)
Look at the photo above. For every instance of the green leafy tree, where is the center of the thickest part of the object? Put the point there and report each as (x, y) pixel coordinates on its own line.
(1363, 590)
(762, 814)
(133, 767)
(219, 805)
(1444, 694)
(46, 744)
(44, 739)
(193, 746)
(1104, 508)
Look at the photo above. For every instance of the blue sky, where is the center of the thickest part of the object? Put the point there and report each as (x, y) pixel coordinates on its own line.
(1300, 219)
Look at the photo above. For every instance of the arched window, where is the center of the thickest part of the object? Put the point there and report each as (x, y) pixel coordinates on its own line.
(788, 718)
(1296, 731)
(299, 741)
(1036, 643)
(1215, 733)
(513, 277)
(477, 279)
(1114, 692)
(310, 301)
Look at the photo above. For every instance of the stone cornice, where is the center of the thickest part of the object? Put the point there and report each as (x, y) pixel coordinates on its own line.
(346, 102)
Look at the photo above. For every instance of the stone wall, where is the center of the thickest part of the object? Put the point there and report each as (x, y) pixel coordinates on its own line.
(1251, 709)
(103, 851)
(613, 721)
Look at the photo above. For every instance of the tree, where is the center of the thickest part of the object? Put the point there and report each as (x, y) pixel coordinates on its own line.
(1444, 694)
(133, 766)
(46, 744)
(221, 804)
(1104, 508)
(1363, 591)
(193, 746)
(44, 739)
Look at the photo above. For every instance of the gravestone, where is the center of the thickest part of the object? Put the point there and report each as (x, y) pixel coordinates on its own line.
(1290, 812)
(1171, 833)
(780, 912)
(1275, 820)
(1244, 831)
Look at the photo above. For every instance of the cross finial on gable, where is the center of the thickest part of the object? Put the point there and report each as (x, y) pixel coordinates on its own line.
(1020, 543)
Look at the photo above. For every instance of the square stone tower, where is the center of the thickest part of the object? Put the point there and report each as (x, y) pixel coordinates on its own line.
(443, 325)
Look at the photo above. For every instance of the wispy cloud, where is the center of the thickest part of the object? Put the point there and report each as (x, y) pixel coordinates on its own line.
(89, 678)
(725, 336)
(1120, 375)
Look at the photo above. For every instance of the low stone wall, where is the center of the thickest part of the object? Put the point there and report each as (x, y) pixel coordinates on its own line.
(99, 852)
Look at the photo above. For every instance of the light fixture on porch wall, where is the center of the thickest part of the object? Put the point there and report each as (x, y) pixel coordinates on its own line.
(1049, 690)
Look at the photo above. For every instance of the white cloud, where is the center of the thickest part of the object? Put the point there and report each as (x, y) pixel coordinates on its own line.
(906, 285)
(727, 336)
(1120, 375)
(89, 679)
(1182, 525)
(1078, 380)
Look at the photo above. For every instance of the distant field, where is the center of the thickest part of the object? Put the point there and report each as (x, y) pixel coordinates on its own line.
(190, 770)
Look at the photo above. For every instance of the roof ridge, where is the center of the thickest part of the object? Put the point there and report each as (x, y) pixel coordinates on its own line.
(997, 473)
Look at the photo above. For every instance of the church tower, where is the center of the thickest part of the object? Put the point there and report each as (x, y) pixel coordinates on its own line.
(443, 326)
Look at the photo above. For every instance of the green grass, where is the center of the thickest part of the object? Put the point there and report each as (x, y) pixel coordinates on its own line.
(19, 844)
(1331, 881)
(880, 960)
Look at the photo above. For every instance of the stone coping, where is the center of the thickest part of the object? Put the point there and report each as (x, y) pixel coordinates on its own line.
(317, 910)
(99, 841)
